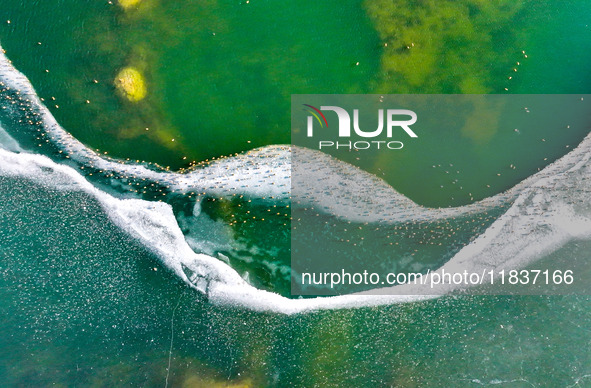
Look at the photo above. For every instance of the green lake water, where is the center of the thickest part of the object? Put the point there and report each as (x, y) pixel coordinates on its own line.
(220, 75)
(84, 304)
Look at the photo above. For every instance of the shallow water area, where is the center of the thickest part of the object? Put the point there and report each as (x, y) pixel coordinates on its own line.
(213, 87)
(221, 86)
(115, 272)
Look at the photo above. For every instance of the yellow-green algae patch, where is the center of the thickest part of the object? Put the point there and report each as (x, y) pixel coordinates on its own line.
(131, 84)
(446, 46)
(127, 4)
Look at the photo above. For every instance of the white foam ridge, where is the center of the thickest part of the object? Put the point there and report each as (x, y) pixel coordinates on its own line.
(551, 209)
(263, 172)
(544, 211)
(154, 225)
(328, 184)
(345, 191)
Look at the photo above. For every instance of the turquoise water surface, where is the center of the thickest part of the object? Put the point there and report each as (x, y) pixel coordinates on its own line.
(118, 271)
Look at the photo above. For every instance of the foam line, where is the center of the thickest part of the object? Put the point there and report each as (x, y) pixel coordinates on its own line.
(541, 213)
(154, 225)
(251, 173)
